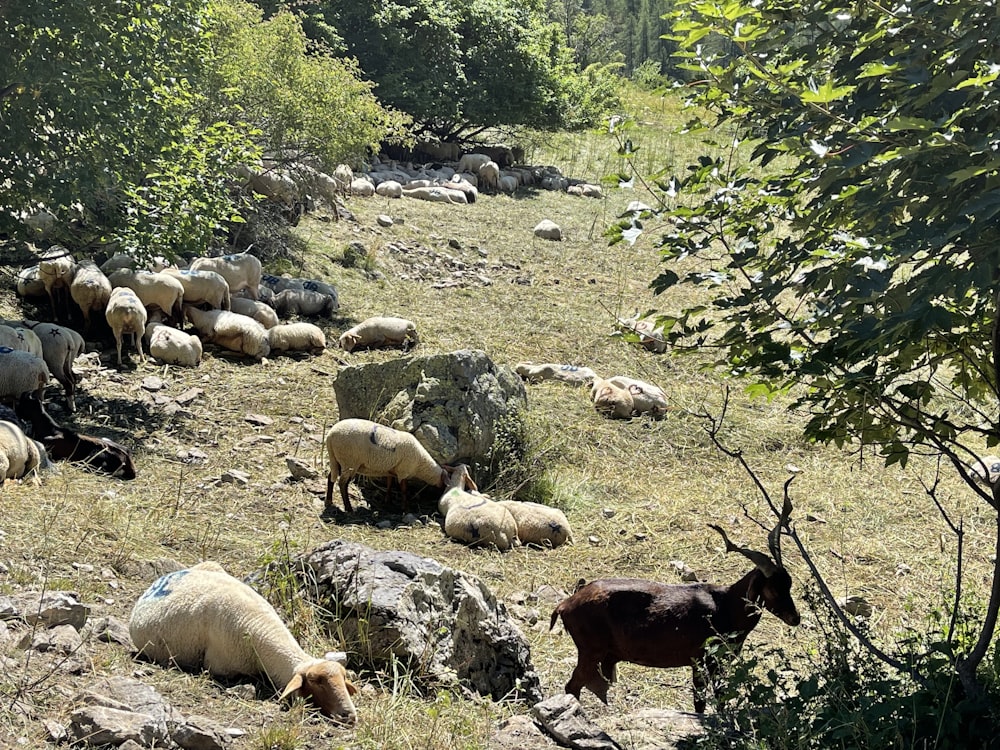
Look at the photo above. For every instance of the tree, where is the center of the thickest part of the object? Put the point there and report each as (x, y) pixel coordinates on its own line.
(92, 101)
(852, 257)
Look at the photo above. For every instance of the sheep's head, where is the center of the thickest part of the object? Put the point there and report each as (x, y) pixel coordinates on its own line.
(324, 681)
(348, 341)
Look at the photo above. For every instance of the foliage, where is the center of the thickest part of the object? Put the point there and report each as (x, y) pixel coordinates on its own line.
(852, 261)
(293, 101)
(461, 67)
(92, 100)
(845, 698)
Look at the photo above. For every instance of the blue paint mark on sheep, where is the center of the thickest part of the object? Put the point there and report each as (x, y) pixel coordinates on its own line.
(569, 368)
(391, 449)
(5, 350)
(162, 586)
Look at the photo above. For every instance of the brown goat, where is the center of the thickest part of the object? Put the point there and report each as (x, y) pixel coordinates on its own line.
(667, 625)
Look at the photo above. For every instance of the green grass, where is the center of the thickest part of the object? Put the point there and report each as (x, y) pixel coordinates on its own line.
(638, 494)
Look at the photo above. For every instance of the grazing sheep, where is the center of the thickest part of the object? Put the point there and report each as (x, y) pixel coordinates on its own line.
(203, 617)
(232, 331)
(29, 283)
(126, 315)
(19, 454)
(612, 400)
(475, 519)
(56, 270)
(90, 290)
(21, 372)
(154, 289)
(172, 346)
(646, 397)
(304, 302)
(663, 625)
(65, 444)
(259, 311)
(571, 374)
(539, 524)
(489, 177)
(296, 337)
(202, 287)
(60, 348)
(240, 270)
(378, 332)
(359, 446)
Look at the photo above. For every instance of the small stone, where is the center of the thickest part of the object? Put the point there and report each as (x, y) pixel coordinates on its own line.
(856, 605)
(411, 519)
(300, 469)
(384, 221)
(188, 396)
(595, 540)
(547, 229)
(62, 639)
(792, 469)
(608, 512)
(482, 252)
(814, 518)
(83, 567)
(56, 731)
(152, 383)
(260, 420)
(235, 476)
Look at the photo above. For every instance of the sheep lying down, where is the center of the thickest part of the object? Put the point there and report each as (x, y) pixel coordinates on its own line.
(203, 617)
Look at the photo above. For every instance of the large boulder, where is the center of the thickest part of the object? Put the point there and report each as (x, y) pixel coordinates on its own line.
(444, 624)
(461, 406)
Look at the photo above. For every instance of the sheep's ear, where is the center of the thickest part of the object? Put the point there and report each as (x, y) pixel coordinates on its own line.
(351, 688)
(294, 685)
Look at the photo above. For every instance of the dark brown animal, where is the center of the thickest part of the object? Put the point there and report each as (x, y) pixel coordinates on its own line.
(65, 444)
(667, 625)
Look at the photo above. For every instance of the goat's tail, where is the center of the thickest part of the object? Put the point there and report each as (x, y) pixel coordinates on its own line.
(555, 615)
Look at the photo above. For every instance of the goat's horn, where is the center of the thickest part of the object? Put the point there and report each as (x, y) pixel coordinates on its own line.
(764, 563)
(774, 538)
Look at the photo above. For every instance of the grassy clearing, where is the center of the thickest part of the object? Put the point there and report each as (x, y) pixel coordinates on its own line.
(639, 494)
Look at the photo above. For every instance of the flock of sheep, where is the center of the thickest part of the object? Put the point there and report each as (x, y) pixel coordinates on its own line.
(203, 617)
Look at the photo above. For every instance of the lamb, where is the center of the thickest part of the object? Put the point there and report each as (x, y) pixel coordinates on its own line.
(240, 270)
(60, 348)
(296, 337)
(202, 287)
(262, 313)
(572, 374)
(304, 302)
(475, 519)
(238, 333)
(359, 446)
(154, 289)
(126, 315)
(612, 400)
(29, 283)
(204, 617)
(667, 625)
(56, 270)
(646, 397)
(90, 289)
(64, 444)
(19, 455)
(172, 346)
(380, 331)
(539, 524)
(21, 372)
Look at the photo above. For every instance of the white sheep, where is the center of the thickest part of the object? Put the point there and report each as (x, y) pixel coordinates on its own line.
(202, 287)
(56, 269)
(262, 313)
(362, 187)
(379, 331)
(296, 337)
(475, 519)
(232, 331)
(29, 283)
(389, 189)
(154, 289)
(21, 372)
(436, 194)
(240, 270)
(172, 346)
(472, 162)
(539, 524)
(304, 302)
(19, 454)
(60, 348)
(646, 397)
(90, 289)
(204, 617)
(489, 177)
(361, 447)
(20, 338)
(507, 183)
(651, 336)
(612, 400)
(458, 182)
(572, 374)
(126, 315)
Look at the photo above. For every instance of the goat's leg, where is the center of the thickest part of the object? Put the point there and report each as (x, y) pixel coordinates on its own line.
(588, 675)
(609, 669)
(700, 676)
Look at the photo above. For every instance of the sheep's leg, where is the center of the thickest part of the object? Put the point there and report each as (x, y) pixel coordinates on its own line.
(588, 675)
(345, 479)
(118, 342)
(406, 497)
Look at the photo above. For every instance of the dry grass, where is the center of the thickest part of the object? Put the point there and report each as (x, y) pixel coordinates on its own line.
(638, 493)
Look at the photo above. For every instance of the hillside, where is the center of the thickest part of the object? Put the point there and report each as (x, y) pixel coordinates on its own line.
(639, 493)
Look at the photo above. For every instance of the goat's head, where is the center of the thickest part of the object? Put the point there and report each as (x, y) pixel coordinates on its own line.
(324, 681)
(775, 591)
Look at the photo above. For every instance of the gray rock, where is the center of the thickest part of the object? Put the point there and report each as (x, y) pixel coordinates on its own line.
(445, 624)
(198, 733)
(657, 729)
(520, 732)
(235, 476)
(300, 469)
(562, 717)
(62, 639)
(48, 609)
(547, 229)
(98, 725)
(461, 406)
(384, 220)
(112, 630)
